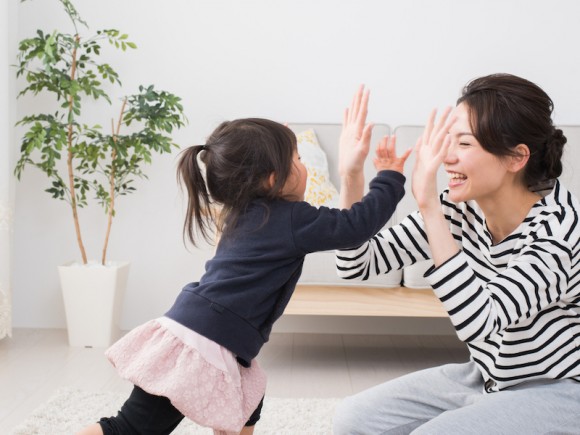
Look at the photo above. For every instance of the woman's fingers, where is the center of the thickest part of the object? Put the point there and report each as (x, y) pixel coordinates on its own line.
(366, 135)
(443, 118)
(356, 114)
(440, 129)
(355, 104)
(363, 109)
(429, 126)
(435, 132)
(441, 136)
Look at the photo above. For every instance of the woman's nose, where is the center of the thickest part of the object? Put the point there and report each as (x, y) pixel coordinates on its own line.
(451, 156)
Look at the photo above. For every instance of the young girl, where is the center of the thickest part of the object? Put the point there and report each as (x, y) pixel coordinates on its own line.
(198, 360)
(505, 242)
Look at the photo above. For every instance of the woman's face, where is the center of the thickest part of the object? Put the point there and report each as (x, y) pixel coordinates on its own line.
(474, 173)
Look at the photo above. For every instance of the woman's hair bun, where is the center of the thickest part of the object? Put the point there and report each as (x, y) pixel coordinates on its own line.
(553, 153)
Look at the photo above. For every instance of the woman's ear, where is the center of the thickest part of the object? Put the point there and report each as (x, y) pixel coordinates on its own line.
(520, 158)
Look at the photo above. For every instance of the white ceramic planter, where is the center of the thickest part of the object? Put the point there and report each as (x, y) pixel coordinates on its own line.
(93, 296)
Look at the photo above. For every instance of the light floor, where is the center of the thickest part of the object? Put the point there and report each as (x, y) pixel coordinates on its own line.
(34, 363)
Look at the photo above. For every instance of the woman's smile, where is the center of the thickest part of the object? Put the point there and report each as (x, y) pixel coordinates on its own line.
(456, 179)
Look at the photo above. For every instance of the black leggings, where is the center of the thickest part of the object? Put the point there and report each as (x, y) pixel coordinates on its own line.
(147, 414)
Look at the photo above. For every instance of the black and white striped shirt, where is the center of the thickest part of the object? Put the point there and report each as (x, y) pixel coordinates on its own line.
(516, 303)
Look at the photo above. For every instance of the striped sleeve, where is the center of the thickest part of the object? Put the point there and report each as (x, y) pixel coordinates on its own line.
(391, 249)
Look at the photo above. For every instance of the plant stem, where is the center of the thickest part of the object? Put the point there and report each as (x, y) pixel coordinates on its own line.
(112, 182)
(69, 160)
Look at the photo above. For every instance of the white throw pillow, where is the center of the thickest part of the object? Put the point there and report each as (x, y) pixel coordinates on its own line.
(319, 188)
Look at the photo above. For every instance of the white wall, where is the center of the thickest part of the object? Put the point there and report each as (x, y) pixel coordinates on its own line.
(290, 60)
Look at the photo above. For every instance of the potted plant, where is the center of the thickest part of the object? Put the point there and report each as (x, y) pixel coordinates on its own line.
(83, 162)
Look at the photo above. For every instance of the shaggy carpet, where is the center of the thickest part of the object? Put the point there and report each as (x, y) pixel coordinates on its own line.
(69, 410)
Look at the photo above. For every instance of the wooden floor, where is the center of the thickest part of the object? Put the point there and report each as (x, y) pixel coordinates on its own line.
(34, 363)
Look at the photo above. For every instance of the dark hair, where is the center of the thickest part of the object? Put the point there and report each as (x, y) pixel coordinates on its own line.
(506, 110)
(239, 158)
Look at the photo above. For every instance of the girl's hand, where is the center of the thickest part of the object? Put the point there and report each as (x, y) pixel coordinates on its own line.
(355, 137)
(386, 156)
(430, 151)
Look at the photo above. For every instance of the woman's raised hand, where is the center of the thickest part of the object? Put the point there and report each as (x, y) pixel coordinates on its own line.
(430, 151)
(386, 155)
(355, 136)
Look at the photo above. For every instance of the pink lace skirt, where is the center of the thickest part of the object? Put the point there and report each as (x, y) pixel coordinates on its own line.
(202, 379)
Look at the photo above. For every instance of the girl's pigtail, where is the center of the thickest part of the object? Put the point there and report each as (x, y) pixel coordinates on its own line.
(199, 212)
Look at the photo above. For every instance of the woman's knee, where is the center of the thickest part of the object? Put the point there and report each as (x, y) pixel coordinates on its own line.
(347, 417)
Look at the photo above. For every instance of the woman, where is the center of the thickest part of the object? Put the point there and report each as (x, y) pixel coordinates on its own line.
(504, 241)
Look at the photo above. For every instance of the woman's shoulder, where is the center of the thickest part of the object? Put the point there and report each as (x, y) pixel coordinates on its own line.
(560, 208)
(559, 198)
(562, 194)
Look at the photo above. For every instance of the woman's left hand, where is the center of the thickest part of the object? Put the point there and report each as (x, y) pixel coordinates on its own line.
(430, 152)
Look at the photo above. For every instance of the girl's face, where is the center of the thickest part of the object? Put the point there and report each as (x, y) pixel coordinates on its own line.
(295, 185)
(474, 173)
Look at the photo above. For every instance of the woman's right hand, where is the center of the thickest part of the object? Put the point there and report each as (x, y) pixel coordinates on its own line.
(355, 136)
(354, 146)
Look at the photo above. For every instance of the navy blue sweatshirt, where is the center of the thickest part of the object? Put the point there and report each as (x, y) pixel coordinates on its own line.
(249, 281)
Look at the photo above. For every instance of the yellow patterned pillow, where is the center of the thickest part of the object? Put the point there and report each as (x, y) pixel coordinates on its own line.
(319, 188)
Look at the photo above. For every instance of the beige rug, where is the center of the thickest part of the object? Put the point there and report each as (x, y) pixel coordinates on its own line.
(68, 410)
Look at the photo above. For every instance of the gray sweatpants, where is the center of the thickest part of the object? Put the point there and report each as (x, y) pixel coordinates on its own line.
(449, 400)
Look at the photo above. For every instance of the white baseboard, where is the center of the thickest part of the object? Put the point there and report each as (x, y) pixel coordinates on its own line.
(363, 325)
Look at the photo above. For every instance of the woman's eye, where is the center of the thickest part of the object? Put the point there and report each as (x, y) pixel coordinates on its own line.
(465, 144)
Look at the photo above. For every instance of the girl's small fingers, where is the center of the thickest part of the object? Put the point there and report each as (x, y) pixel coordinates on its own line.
(391, 144)
(382, 146)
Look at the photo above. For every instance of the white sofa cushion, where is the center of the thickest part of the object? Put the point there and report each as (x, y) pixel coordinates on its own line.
(319, 189)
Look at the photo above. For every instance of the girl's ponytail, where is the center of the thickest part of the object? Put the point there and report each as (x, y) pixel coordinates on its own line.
(199, 214)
